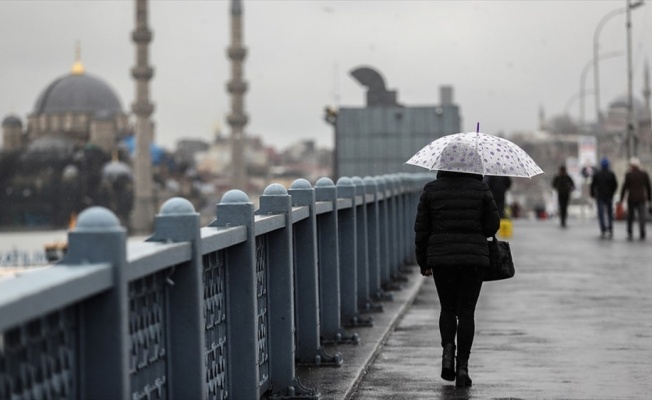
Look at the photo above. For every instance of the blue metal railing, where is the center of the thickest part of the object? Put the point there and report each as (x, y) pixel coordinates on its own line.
(224, 311)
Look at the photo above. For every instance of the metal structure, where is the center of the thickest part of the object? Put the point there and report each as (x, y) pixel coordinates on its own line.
(224, 311)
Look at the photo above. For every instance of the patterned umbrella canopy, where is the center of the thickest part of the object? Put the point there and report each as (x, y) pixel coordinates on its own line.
(477, 153)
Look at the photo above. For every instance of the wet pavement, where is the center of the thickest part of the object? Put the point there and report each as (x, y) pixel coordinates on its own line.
(574, 323)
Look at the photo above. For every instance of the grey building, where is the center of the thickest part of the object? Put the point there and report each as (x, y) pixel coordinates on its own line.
(380, 137)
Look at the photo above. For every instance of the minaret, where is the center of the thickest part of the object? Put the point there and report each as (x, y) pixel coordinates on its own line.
(237, 87)
(143, 213)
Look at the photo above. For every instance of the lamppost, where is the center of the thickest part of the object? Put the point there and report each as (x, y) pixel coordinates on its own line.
(596, 73)
(631, 139)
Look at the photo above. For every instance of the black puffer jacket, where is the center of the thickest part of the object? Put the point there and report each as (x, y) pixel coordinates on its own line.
(456, 215)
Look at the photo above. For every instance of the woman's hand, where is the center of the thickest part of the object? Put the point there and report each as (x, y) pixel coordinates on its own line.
(426, 272)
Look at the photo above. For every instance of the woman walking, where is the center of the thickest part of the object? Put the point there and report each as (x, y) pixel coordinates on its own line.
(456, 215)
(564, 185)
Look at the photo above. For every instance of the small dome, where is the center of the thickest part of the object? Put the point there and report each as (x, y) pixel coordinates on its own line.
(78, 93)
(12, 121)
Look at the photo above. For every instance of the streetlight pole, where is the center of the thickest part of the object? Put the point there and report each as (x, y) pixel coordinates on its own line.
(631, 135)
(596, 73)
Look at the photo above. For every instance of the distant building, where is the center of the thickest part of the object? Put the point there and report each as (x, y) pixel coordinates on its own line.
(612, 139)
(77, 108)
(379, 138)
(68, 156)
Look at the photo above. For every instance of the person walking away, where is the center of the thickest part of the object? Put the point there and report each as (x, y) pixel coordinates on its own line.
(498, 186)
(637, 189)
(564, 185)
(603, 187)
(455, 216)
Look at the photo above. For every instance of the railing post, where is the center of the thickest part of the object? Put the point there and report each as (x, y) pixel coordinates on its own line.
(400, 215)
(235, 209)
(348, 245)
(362, 251)
(99, 238)
(309, 350)
(329, 267)
(276, 200)
(393, 227)
(177, 221)
(374, 241)
(383, 230)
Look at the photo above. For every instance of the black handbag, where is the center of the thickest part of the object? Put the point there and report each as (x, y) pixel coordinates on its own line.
(501, 265)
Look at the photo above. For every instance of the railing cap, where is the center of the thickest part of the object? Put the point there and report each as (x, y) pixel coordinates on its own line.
(302, 184)
(97, 218)
(234, 196)
(344, 181)
(275, 189)
(324, 182)
(177, 206)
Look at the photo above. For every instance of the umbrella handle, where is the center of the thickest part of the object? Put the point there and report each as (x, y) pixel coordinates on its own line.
(477, 128)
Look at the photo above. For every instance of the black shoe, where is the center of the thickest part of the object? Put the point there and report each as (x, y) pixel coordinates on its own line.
(462, 378)
(448, 362)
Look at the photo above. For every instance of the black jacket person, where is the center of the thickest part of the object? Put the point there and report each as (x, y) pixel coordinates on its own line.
(564, 185)
(456, 214)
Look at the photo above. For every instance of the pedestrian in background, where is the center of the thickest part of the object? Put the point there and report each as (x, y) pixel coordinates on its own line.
(564, 185)
(455, 216)
(637, 189)
(603, 187)
(498, 186)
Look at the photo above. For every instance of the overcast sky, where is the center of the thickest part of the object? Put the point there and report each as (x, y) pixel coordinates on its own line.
(504, 59)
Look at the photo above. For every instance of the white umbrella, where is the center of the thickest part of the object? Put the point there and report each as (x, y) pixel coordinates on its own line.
(476, 153)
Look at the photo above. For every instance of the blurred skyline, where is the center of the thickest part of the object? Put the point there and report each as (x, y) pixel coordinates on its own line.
(504, 59)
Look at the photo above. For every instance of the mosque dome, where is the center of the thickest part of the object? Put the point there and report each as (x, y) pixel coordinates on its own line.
(78, 92)
(622, 102)
(12, 121)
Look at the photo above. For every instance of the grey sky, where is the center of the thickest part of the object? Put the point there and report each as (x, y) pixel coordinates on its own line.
(504, 59)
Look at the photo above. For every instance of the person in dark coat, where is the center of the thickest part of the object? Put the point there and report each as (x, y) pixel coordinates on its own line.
(455, 216)
(603, 187)
(564, 185)
(498, 186)
(637, 189)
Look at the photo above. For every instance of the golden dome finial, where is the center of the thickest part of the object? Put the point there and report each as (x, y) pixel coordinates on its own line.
(78, 67)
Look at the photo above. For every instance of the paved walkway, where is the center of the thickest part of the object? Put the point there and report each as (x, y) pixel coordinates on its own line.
(574, 323)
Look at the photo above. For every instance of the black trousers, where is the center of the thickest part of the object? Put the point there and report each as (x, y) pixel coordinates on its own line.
(458, 289)
(563, 207)
(636, 208)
